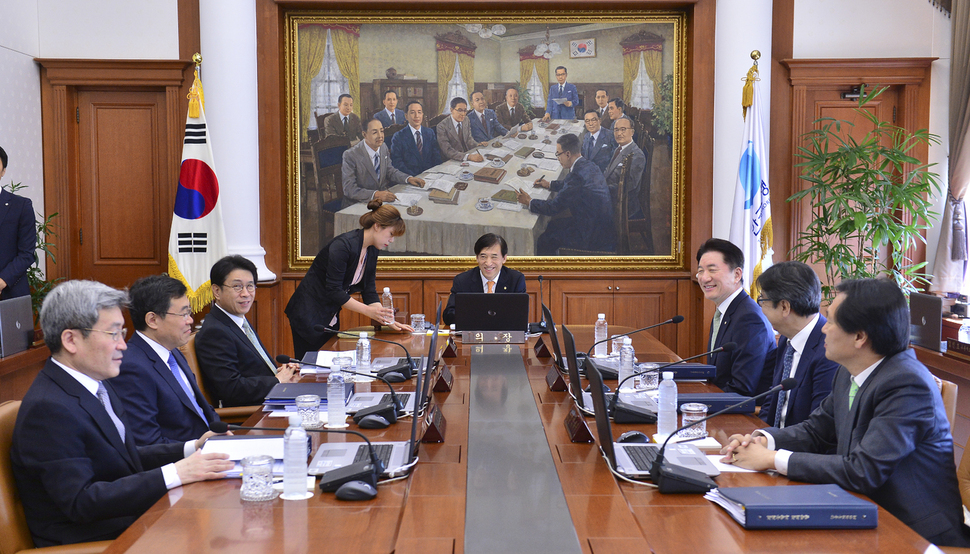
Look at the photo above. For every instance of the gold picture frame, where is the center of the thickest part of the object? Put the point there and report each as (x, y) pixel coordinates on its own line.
(406, 42)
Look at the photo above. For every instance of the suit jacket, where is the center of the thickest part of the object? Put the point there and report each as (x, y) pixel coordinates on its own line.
(614, 168)
(405, 155)
(814, 375)
(743, 370)
(77, 479)
(156, 404)
(448, 139)
(511, 119)
(234, 372)
(601, 151)
(558, 111)
(334, 125)
(492, 127)
(893, 445)
(326, 286)
(360, 181)
(399, 118)
(583, 192)
(604, 116)
(17, 247)
(509, 280)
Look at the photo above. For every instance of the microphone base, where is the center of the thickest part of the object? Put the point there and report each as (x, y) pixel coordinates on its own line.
(535, 328)
(361, 471)
(628, 413)
(386, 410)
(671, 479)
(402, 368)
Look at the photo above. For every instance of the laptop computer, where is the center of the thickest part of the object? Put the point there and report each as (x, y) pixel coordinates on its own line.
(635, 459)
(16, 325)
(478, 311)
(926, 320)
(396, 456)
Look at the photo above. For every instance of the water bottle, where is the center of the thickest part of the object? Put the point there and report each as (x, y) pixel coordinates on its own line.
(600, 335)
(363, 353)
(294, 460)
(667, 418)
(626, 366)
(336, 402)
(388, 302)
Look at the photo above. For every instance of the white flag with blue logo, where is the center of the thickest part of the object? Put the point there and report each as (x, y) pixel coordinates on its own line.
(751, 218)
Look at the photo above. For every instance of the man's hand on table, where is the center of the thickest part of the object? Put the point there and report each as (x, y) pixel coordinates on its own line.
(386, 195)
(416, 181)
(750, 452)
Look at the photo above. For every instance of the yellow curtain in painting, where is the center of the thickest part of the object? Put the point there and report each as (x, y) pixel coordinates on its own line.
(653, 62)
(446, 70)
(311, 46)
(541, 67)
(467, 65)
(347, 51)
(652, 54)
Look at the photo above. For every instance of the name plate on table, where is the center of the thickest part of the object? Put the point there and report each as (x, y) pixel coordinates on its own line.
(493, 337)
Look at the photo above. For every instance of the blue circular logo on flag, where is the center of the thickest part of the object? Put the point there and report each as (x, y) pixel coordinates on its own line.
(198, 190)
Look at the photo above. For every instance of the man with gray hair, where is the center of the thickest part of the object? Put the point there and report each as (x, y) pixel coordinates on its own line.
(78, 471)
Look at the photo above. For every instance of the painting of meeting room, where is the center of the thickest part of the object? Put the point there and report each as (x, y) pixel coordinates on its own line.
(353, 72)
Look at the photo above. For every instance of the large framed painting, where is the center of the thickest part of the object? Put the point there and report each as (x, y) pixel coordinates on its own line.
(621, 205)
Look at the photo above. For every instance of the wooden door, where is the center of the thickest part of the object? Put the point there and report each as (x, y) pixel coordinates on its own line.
(577, 302)
(124, 196)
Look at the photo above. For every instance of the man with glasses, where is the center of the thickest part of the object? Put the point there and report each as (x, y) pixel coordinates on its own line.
(78, 471)
(455, 135)
(236, 367)
(737, 319)
(158, 389)
(790, 297)
(562, 98)
(627, 153)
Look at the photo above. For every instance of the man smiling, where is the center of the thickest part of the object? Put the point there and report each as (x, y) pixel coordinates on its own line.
(490, 276)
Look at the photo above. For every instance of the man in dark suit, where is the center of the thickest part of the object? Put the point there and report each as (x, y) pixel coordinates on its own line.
(367, 172)
(80, 475)
(490, 276)
(883, 431)
(602, 99)
(598, 143)
(484, 124)
(390, 115)
(626, 153)
(345, 122)
(790, 298)
(405, 152)
(566, 93)
(158, 389)
(583, 192)
(511, 113)
(455, 135)
(236, 367)
(19, 240)
(737, 319)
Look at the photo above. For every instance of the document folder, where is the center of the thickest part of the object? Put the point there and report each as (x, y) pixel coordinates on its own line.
(795, 507)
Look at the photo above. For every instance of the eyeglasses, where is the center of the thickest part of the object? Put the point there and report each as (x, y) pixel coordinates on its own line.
(248, 287)
(763, 299)
(560, 153)
(186, 313)
(115, 335)
(460, 110)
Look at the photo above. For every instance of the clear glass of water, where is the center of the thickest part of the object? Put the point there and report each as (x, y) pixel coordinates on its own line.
(690, 413)
(617, 342)
(308, 406)
(257, 479)
(417, 321)
(648, 377)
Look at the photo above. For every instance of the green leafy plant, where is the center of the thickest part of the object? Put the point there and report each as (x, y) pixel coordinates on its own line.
(45, 227)
(663, 111)
(868, 208)
(525, 98)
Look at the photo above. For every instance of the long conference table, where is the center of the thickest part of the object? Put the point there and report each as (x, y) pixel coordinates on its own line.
(506, 478)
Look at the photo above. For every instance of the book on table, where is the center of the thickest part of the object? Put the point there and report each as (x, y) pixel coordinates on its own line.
(442, 197)
(795, 507)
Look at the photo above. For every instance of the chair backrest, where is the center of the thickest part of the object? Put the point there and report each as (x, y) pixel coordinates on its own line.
(328, 158)
(389, 132)
(434, 121)
(14, 533)
(963, 477)
(948, 390)
(320, 120)
(621, 210)
(188, 350)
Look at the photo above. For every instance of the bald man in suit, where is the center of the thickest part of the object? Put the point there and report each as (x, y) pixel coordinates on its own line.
(511, 113)
(367, 172)
(455, 136)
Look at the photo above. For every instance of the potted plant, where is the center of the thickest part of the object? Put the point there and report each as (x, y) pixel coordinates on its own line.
(868, 208)
(525, 97)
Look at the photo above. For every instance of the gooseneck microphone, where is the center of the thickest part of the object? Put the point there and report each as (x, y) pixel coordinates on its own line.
(675, 319)
(412, 366)
(283, 359)
(679, 479)
(540, 327)
(727, 347)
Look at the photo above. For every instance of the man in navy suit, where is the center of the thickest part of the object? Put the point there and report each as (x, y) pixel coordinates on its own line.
(390, 115)
(80, 475)
(405, 154)
(598, 143)
(237, 368)
(790, 298)
(157, 387)
(737, 319)
(567, 93)
(491, 275)
(584, 193)
(484, 123)
(19, 240)
(883, 431)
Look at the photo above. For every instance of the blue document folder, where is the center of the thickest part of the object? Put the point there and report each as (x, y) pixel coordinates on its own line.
(796, 507)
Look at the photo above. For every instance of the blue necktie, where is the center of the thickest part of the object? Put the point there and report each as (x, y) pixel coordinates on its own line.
(377, 165)
(786, 373)
(177, 372)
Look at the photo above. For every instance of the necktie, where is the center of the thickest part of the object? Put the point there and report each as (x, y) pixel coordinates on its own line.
(377, 165)
(345, 125)
(853, 388)
(262, 353)
(461, 139)
(715, 326)
(587, 144)
(418, 141)
(106, 402)
(491, 287)
(613, 159)
(786, 373)
(560, 90)
(177, 372)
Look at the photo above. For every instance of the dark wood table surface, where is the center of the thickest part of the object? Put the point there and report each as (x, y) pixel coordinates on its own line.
(425, 513)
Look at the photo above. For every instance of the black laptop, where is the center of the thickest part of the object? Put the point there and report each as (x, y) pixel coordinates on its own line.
(479, 311)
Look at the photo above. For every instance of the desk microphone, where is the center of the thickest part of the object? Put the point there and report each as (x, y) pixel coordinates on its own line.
(333, 479)
(541, 326)
(387, 410)
(629, 412)
(398, 372)
(671, 478)
(675, 319)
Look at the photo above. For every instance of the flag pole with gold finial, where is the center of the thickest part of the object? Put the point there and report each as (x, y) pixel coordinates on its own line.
(195, 96)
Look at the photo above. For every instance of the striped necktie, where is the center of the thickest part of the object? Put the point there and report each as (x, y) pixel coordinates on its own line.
(786, 373)
(180, 378)
(418, 141)
(377, 165)
(102, 395)
(262, 353)
(853, 388)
